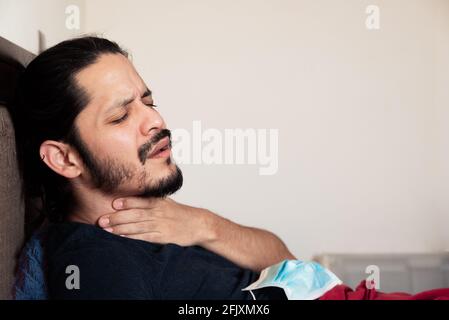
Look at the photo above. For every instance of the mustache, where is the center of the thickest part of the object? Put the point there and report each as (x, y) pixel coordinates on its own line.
(147, 147)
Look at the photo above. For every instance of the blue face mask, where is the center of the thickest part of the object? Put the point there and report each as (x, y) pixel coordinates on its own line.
(300, 280)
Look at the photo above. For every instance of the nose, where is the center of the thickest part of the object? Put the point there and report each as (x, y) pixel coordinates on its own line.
(152, 122)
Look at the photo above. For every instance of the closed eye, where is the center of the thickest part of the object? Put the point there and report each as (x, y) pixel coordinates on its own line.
(120, 119)
(125, 116)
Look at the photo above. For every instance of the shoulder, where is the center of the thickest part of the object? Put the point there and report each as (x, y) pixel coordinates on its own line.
(83, 243)
(104, 264)
(66, 235)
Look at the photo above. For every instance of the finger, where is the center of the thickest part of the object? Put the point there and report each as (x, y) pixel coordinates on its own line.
(133, 228)
(103, 221)
(154, 237)
(127, 216)
(119, 217)
(134, 202)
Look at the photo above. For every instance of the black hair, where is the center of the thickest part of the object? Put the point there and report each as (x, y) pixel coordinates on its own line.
(47, 101)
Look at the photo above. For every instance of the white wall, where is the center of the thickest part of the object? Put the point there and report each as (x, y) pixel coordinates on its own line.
(362, 115)
(21, 21)
(442, 115)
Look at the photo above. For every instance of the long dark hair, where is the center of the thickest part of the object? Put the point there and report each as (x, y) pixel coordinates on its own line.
(47, 101)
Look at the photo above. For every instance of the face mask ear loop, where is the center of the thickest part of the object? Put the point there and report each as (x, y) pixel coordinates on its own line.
(254, 297)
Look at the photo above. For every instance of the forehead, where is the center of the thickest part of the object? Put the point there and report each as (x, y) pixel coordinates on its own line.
(111, 77)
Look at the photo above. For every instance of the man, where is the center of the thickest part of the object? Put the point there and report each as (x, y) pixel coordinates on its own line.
(97, 154)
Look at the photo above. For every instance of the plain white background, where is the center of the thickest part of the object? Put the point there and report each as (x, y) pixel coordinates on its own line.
(363, 115)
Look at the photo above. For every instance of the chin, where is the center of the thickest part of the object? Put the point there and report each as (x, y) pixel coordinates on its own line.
(161, 169)
(165, 183)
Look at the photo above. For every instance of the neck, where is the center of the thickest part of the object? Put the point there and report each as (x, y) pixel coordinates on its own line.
(91, 204)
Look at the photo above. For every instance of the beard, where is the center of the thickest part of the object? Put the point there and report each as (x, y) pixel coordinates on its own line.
(108, 174)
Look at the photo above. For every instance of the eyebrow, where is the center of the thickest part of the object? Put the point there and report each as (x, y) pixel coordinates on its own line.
(124, 102)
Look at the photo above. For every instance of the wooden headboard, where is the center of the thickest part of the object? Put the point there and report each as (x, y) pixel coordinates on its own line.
(13, 59)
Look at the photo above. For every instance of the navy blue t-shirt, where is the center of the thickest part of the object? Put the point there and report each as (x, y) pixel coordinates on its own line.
(114, 267)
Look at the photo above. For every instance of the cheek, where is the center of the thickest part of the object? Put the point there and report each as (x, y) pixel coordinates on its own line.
(117, 145)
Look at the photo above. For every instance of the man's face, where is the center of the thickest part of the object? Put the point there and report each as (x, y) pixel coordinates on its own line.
(120, 134)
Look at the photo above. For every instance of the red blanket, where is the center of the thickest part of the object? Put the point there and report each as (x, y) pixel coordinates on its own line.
(342, 292)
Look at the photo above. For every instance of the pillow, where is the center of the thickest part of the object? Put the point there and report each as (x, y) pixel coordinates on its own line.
(30, 279)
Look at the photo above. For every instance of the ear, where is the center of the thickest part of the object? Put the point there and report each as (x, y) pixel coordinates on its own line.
(61, 158)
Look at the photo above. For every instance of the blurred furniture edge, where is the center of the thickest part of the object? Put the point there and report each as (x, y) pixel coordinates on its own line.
(402, 272)
(12, 61)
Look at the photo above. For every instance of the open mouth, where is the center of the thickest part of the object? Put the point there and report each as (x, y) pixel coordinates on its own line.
(161, 149)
